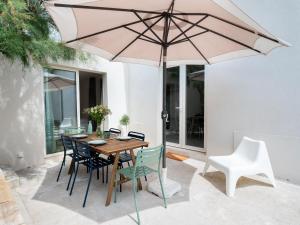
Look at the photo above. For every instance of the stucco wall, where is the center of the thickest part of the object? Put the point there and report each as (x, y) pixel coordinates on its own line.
(21, 115)
(22, 107)
(256, 96)
(143, 102)
(260, 95)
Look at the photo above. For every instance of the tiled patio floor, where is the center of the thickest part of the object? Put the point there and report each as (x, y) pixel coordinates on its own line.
(201, 202)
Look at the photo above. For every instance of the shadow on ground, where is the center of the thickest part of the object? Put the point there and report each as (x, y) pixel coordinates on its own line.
(54, 192)
(218, 180)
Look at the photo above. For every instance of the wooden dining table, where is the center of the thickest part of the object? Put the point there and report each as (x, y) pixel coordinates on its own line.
(114, 147)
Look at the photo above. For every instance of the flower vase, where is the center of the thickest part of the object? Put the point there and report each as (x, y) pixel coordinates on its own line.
(99, 131)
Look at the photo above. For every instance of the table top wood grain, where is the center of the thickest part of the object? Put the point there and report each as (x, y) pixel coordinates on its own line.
(114, 146)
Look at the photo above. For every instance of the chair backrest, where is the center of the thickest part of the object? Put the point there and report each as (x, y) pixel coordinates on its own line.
(249, 148)
(114, 131)
(67, 143)
(150, 157)
(83, 149)
(136, 135)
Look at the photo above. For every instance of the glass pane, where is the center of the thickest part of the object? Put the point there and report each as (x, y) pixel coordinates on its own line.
(195, 105)
(172, 132)
(60, 106)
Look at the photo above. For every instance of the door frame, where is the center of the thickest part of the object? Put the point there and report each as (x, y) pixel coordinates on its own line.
(77, 71)
(182, 113)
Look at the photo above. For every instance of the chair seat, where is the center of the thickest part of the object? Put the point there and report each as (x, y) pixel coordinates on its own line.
(97, 162)
(140, 171)
(125, 157)
(77, 157)
(229, 163)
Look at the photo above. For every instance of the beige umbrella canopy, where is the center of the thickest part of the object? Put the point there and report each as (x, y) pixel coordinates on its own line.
(155, 31)
(199, 31)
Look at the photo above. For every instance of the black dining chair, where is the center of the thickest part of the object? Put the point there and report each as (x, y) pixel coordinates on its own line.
(115, 131)
(125, 157)
(92, 163)
(68, 148)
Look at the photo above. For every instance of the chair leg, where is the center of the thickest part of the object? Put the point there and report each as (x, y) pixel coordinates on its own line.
(106, 174)
(121, 178)
(162, 189)
(88, 187)
(231, 184)
(134, 185)
(103, 174)
(76, 171)
(120, 183)
(62, 164)
(71, 175)
(205, 168)
(98, 174)
(128, 164)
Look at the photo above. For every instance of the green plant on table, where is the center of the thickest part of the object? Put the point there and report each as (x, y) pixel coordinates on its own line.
(124, 121)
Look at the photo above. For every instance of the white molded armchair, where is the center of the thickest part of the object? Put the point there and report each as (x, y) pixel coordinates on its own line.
(250, 158)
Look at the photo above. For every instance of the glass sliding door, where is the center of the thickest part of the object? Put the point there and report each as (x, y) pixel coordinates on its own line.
(194, 106)
(172, 132)
(60, 105)
(185, 106)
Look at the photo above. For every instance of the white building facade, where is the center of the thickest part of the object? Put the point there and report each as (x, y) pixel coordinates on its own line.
(255, 96)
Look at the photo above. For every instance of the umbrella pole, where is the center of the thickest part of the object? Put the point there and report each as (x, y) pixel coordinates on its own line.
(164, 113)
(170, 187)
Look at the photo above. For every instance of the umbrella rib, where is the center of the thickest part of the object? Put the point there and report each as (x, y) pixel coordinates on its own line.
(103, 8)
(170, 11)
(231, 23)
(186, 30)
(222, 35)
(111, 29)
(136, 38)
(155, 34)
(192, 43)
(147, 37)
(185, 39)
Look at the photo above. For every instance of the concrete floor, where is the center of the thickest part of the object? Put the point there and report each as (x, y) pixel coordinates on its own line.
(201, 202)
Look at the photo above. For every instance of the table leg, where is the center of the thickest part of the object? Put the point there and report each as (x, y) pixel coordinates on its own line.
(71, 166)
(139, 183)
(112, 180)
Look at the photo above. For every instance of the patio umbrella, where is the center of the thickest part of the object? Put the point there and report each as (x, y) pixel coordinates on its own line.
(159, 31)
(56, 82)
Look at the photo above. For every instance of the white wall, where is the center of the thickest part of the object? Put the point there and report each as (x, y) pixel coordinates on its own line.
(259, 94)
(256, 95)
(21, 115)
(144, 91)
(22, 107)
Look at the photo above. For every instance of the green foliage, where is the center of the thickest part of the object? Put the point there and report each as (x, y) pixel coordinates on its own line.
(25, 29)
(98, 113)
(124, 120)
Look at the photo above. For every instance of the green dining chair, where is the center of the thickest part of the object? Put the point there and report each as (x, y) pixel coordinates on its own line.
(148, 160)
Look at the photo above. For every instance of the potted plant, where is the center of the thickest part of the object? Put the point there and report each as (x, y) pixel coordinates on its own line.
(124, 121)
(98, 114)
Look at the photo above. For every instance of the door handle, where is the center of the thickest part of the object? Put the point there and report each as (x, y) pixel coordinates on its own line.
(177, 107)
